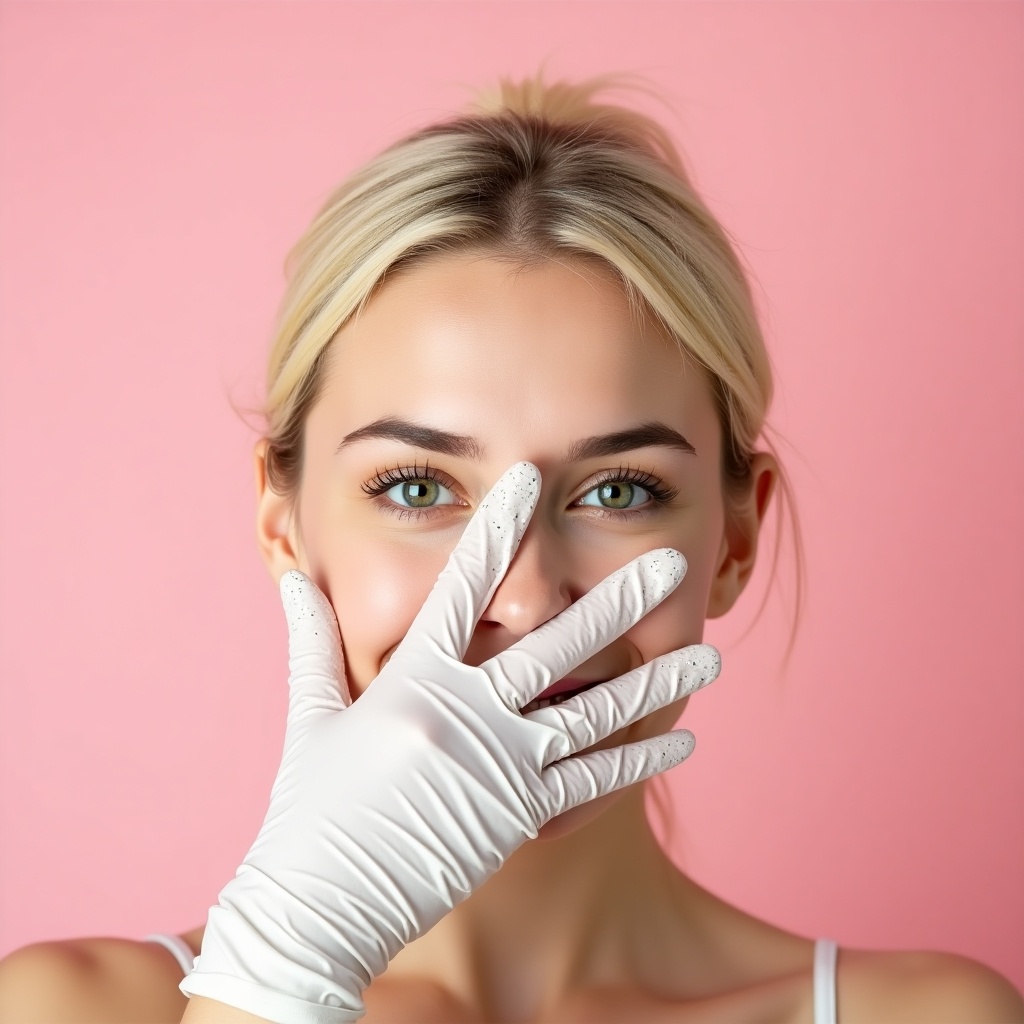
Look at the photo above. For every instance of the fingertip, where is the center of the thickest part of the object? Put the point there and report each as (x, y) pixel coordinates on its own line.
(303, 600)
(667, 751)
(294, 587)
(663, 569)
(679, 745)
(292, 578)
(702, 664)
(526, 476)
(518, 485)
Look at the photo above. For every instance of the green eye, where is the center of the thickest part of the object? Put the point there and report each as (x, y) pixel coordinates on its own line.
(616, 494)
(419, 493)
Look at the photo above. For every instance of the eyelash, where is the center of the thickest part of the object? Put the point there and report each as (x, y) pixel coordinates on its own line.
(660, 492)
(383, 480)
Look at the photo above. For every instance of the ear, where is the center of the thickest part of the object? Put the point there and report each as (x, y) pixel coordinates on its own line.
(739, 542)
(276, 526)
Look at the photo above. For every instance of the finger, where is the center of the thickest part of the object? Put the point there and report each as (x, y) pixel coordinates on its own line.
(477, 565)
(589, 717)
(316, 681)
(576, 780)
(603, 614)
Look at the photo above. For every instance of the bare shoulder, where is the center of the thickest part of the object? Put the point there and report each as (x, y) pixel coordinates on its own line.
(923, 988)
(85, 980)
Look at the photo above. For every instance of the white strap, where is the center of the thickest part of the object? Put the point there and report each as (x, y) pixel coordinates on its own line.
(825, 951)
(179, 947)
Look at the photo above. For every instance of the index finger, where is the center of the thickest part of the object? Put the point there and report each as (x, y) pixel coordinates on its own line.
(477, 565)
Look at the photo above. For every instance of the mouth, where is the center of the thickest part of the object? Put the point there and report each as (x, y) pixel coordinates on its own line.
(558, 693)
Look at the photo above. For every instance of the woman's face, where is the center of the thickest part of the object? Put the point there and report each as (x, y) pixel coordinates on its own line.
(460, 367)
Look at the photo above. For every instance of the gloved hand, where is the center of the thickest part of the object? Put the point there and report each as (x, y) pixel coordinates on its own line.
(387, 813)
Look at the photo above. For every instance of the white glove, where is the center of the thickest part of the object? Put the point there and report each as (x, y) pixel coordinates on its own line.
(386, 814)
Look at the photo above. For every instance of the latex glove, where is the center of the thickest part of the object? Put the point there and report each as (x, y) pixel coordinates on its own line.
(387, 813)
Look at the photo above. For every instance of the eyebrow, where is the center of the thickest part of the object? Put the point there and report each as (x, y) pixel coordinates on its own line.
(390, 428)
(652, 434)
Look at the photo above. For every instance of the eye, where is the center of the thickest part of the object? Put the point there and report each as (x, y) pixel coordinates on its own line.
(420, 492)
(616, 494)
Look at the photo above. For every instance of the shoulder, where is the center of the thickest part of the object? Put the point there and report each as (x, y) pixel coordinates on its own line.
(84, 980)
(923, 987)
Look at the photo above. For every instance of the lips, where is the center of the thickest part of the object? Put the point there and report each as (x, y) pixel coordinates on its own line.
(566, 685)
(559, 692)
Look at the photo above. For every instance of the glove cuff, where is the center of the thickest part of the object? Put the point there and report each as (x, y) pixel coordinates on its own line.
(273, 1006)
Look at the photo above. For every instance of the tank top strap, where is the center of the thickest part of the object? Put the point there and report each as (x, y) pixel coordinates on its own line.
(179, 948)
(825, 953)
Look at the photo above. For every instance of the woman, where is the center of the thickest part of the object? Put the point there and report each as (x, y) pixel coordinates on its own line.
(534, 286)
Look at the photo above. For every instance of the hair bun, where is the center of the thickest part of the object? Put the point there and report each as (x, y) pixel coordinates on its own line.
(557, 102)
(575, 103)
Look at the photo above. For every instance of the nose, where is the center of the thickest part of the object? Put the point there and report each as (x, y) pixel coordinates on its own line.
(537, 585)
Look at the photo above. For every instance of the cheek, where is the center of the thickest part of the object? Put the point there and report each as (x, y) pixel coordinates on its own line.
(376, 587)
(679, 620)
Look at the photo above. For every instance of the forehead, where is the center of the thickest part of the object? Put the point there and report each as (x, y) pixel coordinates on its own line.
(478, 345)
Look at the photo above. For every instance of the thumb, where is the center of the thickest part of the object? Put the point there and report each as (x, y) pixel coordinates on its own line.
(316, 683)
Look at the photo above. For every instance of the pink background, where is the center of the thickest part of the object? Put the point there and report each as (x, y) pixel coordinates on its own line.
(158, 161)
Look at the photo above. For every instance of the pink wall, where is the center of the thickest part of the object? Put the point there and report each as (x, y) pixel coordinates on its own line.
(158, 161)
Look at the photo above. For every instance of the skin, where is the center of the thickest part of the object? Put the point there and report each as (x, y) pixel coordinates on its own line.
(479, 347)
(526, 361)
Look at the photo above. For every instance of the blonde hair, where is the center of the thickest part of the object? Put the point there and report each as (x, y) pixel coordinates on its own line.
(532, 171)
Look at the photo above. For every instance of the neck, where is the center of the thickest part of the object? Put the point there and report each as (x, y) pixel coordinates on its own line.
(561, 913)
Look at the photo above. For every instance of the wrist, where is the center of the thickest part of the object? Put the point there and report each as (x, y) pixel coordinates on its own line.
(268, 954)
